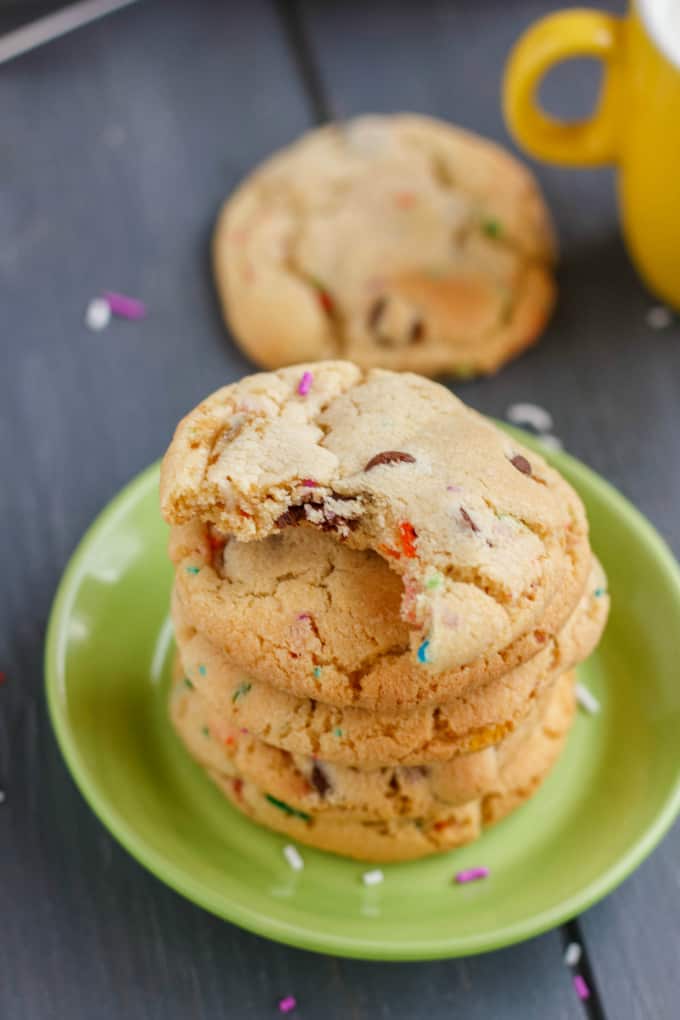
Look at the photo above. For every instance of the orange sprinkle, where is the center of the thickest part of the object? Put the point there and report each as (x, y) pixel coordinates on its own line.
(326, 302)
(407, 538)
(242, 513)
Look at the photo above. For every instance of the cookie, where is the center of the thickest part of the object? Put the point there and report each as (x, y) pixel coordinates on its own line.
(405, 838)
(399, 242)
(354, 736)
(483, 534)
(318, 619)
(315, 786)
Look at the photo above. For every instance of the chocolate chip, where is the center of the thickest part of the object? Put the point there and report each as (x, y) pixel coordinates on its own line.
(375, 312)
(390, 457)
(417, 332)
(521, 463)
(394, 783)
(320, 781)
(468, 520)
(293, 515)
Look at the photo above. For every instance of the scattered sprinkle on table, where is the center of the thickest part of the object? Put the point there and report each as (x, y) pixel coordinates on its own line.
(288, 1004)
(98, 315)
(125, 307)
(471, 875)
(305, 384)
(587, 700)
(572, 954)
(374, 877)
(659, 317)
(530, 414)
(292, 855)
(3, 677)
(581, 987)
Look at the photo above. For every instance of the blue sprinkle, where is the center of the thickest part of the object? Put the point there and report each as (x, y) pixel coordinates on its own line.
(422, 652)
(193, 570)
(317, 671)
(202, 670)
(599, 592)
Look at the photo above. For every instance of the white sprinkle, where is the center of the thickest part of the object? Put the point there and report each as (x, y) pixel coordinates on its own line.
(373, 877)
(292, 855)
(659, 317)
(572, 954)
(98, 315)
(530, 414)
(3, 796)
(552, 442)
(587, 700)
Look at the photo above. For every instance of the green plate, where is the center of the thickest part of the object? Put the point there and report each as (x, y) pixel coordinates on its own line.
(610, 799)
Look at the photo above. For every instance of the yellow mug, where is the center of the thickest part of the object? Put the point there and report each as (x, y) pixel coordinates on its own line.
(636, 123)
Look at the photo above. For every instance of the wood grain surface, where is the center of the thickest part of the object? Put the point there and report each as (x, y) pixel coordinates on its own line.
(117, 145)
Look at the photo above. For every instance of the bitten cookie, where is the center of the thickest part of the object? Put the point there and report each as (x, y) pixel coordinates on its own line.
(404, 838)
(354, 736)
(397, 241)
(483, 534)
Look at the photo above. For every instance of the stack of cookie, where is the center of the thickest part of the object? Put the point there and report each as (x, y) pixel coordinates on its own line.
(379, 600)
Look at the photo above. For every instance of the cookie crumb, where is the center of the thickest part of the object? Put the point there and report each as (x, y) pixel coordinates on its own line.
(292, 855)
(587, 700)
(374, 877)
(97, 315)
(572, 954)
(659, 317)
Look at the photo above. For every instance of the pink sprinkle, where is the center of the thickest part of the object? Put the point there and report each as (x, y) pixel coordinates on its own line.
(305, 384)
(244, 731)
(125, 307)
(471, 875)
(581, 987)
(304, 616)
(309, 483)
(288, 1004)
(453, 488)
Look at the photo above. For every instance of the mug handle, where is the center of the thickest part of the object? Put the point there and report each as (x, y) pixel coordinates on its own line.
(558, 37)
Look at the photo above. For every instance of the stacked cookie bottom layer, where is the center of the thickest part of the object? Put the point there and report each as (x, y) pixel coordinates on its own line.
(276, 790)
(381, 782)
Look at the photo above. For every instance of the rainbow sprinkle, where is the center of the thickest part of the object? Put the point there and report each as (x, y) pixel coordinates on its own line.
(305, 384)
(286, 808)
(422, 652)
(240, 691)
(317, 671)
(433, 582)
(193, 570)
(337, 732)
(202, 670)
(188, 683)
(292, 855)
(581, 987)
(471, 875)
(125, 307)
(600, 592)
(288, 1004)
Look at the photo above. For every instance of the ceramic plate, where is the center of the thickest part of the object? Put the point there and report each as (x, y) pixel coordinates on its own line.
(611, 798)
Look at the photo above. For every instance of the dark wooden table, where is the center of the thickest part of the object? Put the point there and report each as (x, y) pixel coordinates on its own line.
(117, 145)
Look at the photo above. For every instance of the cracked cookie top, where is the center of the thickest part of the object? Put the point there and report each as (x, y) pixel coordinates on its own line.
(483, 534)
(397, 241)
